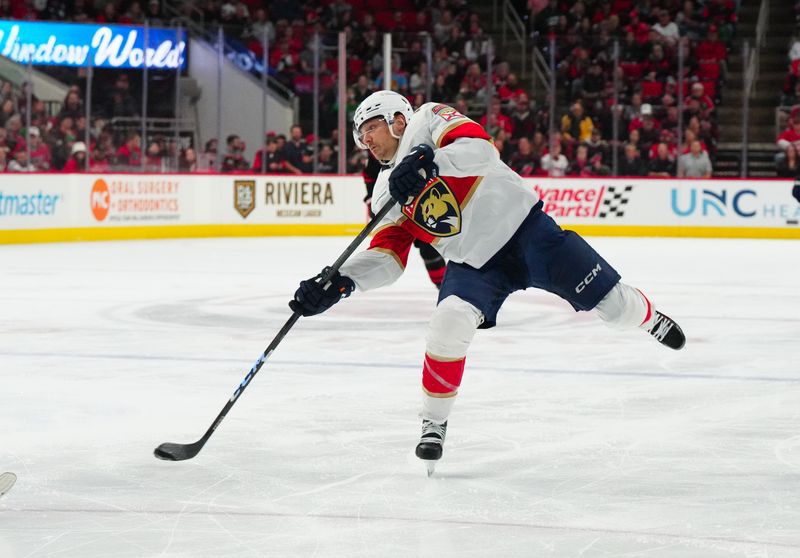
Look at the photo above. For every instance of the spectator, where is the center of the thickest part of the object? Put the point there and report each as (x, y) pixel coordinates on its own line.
(666, 28)
(496, 120)
(363, 88)
(640, 30)
(575, 125)
(632, 164)
(554, 163)
(129, 155)
(510, 90)
(154, 16)
(524, 162)
(705, 106)
(474, 81)
(121, 104)
(788, 166)
(399, 78)
(306, 165)
(187, 161)
(791, 95)
(592, 86)
(597, 145)
(39, 151)
(275, 160)
(7, 110)
(3, 160)
(134, 15)
(327, 163)
(695, 164)
(234, 158)
(523, 121)
(208, 159)
(580, 166)
(154, 161)
(20, 163)
(671, 120)
(477, 45)
(711, 49)
(77, 160)
(293, 150)
(72, 105)
(790, 136)
(441, 29)
(418, 81)
(502, 145)
(662, 165)
(60, 141)
(649, 130)
(99, 161)
(109, 14)
(13, 132)
(657, 67)
(690, 23)
(598, 168)
(689, 136)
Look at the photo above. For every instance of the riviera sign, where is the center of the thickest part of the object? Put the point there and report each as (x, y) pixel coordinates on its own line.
(101, 46)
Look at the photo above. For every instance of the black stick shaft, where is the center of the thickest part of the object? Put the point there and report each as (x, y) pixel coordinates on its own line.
(293, 320)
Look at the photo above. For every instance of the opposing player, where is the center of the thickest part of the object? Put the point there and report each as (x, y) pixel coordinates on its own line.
(491, 229)
(434, 262)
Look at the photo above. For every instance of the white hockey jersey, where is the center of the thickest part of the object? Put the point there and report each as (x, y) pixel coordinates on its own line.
(468, 212)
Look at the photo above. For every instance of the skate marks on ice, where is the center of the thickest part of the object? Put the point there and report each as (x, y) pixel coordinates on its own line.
(612, 450)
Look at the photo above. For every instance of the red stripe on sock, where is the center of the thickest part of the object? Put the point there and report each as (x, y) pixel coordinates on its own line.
(437, 275)
(442, 376)
(649, 309)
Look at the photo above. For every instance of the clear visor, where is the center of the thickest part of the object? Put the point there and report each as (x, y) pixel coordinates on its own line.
(368, 127)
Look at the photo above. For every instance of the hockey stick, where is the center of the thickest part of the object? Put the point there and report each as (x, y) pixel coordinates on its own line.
(7, 480)
(179, 452)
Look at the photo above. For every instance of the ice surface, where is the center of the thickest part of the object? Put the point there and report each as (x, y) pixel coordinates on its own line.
(568, 439)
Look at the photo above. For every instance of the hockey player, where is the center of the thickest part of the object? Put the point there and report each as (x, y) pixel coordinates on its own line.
(434, 263)
(489, 226)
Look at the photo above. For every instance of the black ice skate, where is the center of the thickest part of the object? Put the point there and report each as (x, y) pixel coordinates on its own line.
(667, 332)
(431, 443)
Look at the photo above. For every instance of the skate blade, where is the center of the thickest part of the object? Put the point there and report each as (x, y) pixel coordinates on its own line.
(7, 480)
(431, 467)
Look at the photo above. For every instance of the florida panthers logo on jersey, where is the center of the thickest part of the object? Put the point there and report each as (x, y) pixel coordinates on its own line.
(437, 210)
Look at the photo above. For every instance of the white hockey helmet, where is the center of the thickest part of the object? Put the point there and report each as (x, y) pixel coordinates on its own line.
(381, 103)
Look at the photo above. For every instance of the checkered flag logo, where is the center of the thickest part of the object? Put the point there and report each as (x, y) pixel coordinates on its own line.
(615, 201)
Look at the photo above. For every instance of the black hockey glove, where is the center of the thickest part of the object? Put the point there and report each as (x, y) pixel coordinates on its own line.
(796, 189)
(405, 182)
(312, 298)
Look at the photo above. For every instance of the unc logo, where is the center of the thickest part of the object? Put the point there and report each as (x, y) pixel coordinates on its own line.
(437, 210)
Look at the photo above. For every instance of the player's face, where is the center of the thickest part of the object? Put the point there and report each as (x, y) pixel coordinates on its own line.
(376, 136)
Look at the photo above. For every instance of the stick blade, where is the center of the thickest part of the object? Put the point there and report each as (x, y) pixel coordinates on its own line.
(177, 452)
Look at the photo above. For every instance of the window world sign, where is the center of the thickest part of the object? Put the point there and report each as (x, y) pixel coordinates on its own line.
(101, 46)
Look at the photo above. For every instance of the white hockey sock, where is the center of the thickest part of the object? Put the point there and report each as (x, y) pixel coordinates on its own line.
(436, 409)
(626, 307)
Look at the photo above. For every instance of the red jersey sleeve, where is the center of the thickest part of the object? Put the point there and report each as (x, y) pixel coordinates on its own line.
(395, 241)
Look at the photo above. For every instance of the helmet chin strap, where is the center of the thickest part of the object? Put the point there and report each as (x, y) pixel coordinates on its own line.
(398, 138)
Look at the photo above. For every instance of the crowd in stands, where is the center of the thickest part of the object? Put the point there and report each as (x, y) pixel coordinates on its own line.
(650, 37)
(58, 143)
(649, 34)
(788, 140)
